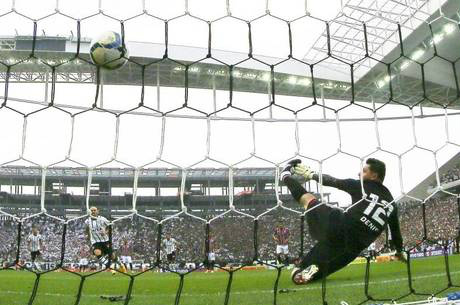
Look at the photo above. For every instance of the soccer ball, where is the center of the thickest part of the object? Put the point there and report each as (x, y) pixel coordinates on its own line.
(107, 51)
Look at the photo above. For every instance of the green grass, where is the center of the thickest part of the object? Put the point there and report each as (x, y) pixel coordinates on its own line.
(388, 280)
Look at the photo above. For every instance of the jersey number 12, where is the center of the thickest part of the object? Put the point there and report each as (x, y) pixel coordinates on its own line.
(378, 212)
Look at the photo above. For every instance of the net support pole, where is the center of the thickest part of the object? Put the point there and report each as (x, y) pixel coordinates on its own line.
(269, 93)
(116, 138)
(227, 7)
(72, 129)
(24, 136)
(88, 187)
(135, 185)
(101, 100)
(162, 138)
(46, 87)
(376, 124)
(323, 102)
(182, 190)
(214, 95)
(43, 190)
(296, 135)
(446, 125)
(230, 189)
(414, 132)
(158, 87)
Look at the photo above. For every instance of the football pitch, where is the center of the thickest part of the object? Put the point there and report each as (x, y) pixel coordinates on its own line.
(249, 287)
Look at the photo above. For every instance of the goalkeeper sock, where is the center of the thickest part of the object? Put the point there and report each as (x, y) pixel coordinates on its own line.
(296, 189)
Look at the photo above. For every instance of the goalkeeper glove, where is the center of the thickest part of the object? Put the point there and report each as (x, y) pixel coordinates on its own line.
(304, 171)
(288, 170)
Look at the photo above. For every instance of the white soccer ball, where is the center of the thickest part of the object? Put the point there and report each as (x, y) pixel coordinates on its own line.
(108, 51)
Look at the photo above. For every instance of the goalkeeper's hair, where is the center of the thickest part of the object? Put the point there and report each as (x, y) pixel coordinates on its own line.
(377, 167)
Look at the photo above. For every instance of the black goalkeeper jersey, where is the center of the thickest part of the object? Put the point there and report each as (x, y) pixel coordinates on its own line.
(367, 218)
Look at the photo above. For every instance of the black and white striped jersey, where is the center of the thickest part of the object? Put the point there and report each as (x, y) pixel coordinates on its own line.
(170, 245)
(98, 229)
(34, 242)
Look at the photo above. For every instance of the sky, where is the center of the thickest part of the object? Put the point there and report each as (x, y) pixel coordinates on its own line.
(48, 133)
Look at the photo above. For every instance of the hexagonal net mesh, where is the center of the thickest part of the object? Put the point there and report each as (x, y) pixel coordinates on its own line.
(182, 148)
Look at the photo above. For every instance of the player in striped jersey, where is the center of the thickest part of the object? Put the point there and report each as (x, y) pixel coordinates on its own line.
(169, 244)
(35, 245)
(84, 262)
(97, 231)
(211, 254)
(281, 237)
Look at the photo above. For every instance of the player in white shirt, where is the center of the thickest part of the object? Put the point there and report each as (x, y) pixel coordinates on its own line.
(97, 231)
(211, 254)
(170, 245)
(35, 245)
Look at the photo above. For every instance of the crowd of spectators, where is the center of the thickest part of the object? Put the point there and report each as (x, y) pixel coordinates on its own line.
(233, 234)
(452, 174)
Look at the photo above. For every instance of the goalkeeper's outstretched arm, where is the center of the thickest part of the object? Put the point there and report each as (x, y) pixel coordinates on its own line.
(351, 186)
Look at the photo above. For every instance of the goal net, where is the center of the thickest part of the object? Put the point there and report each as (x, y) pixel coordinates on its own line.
(186, 142)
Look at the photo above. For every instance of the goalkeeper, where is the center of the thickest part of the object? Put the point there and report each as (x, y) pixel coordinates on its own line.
(342, 235)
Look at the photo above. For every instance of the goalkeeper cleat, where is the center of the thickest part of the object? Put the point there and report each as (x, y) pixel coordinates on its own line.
(288, 170)
(302, 277)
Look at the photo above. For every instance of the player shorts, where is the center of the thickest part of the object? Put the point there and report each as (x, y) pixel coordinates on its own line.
(104, 247)
(84, 262)
(34, 255)
(325, 222)
(336, 247)
(126, 259)
(211, 256)
(171, 257)
(282, 249)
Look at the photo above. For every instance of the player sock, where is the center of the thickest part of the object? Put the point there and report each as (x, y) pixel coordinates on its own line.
(104, 260)
(296, 189)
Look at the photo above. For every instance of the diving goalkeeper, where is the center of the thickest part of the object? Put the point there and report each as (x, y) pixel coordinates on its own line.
(342, 235)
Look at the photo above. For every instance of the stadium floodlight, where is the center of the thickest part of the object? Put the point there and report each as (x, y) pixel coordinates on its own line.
(304, 81)
(292, 80)
(381, 83)
(449, 28)
(249, 75)
(265, 76)
(417, 54)
(437, 38)
(405, 64)
(237, 73)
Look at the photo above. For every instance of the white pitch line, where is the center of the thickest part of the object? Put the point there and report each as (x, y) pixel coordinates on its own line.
(244, 292)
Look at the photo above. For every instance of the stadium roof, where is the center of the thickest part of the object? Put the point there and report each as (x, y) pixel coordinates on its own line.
(123, 177)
